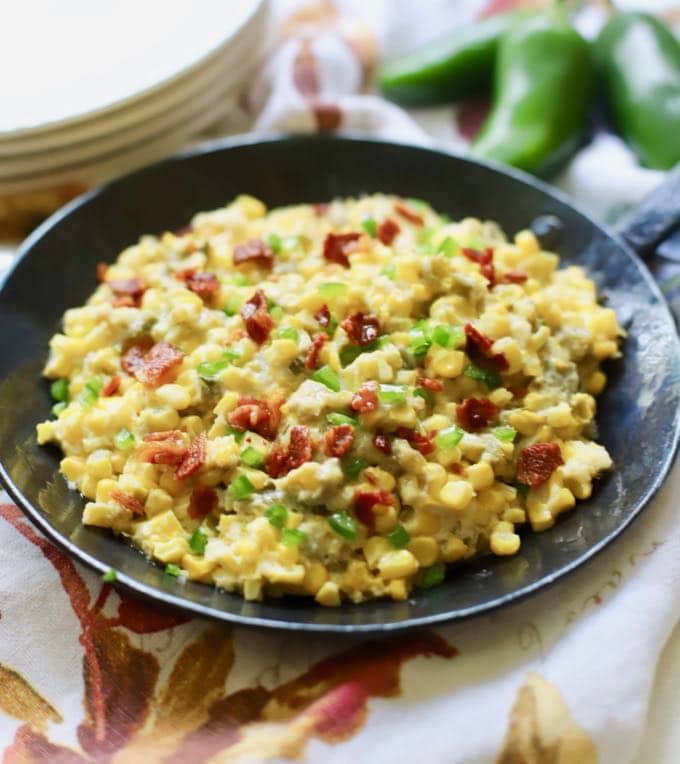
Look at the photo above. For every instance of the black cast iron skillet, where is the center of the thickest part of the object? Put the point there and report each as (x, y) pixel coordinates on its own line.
(638, 417)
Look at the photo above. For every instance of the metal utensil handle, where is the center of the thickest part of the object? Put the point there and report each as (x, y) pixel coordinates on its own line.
(654, 219)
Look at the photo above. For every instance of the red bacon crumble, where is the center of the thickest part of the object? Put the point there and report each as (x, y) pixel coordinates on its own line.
(436, 385)
(422, 443)
(323, 315)
(338, 440)
(255, 315)
(388, 231)
(129, 502)
(408, 214)
(162, 448)
(485, 260)
(254, 251)
(258, 416)
(320, 209)
(202, 502)
(194, 458)
(102, 270)
(514, 277)
(337, 247)
(536, 463)
(365, 501)
(152, 366)
(111, 387)
(281, 459)
(127, 292)
(312, 357)
(478, 347)
(203, 284)
(382, 443)
(365, 399)
(361, 328)
(476, 413)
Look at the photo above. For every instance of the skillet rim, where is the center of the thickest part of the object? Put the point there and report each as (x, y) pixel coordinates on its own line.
(166, 598)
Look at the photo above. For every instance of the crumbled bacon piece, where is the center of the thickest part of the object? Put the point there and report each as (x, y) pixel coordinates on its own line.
(127, 292)
(514, 277)
(162, 448)
(361, 328)
(323, 315)
(337, 247)
(102, 270)
(365, 399)
(281, 460)
(485, 260)
(152, 366)
(202, 502)
(365, 501)
(408, 214)
(111, 387)
(478, 347)
(436, 385)
(338, 440)
(320, 209)
(194, 458)
(262, 417)
(254, 251)
(312, 357)
(203, 284)
(382, 442)
(255, 315)
(457, 469)
(387, 231)
(476, 413)
(422, 443)
(129, 502)
(536, 463)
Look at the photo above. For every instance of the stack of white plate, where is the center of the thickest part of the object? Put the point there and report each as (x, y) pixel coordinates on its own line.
(93, 89)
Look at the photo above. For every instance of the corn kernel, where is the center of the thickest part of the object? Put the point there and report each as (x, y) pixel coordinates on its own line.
(480, 475)
(397, 563)
(328, 595)
(457, 494)
(425, 549)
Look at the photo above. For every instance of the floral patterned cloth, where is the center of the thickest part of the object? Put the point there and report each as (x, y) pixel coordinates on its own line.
(89, 674)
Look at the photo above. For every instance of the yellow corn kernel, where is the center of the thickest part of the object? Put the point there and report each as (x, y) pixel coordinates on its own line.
(328, 595)
(198, 568)
(383, 480)
(504, 542)
(514, 515)
(172, 550)
(398, 589)
(252, 589)
(596, 382)
(104, 488)
(512, 352)
(374, 548)
(454, 549)
(98, 464)
(45, 432)
(386, 520)
(105, 515)
(193, 425)
(397, 563)
(527, 242)
(251, 207)
(157, 420)
(480, 475)
(88, 487)
(446, 363)
(175, 396)
(425, 549)
(157, 501)
(423, 522)
(456, 494)
(316, 576)
(559, 415)
(227, 403)
(525, 422)
(73, 468)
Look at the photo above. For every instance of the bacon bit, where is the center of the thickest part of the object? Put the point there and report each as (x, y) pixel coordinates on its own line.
(162, 448)
(365, 399)
(202, 502)
(537, 463)
(518, 392)
(111, 387)
(203, 284)
(102, 269)
(408, 214)
(129, 502)
(436, 385)
(485, 260)
(361, 328)
(422, 443)
(254, 251)
(365, 501)
(382, 443)
(133, 355)
(457, 469)
(323, 315)
(127, 292)
(312, 357)
(258, 416)
(514, 277)
(320, 209)
(157, 366)
(255, 315)
(337, 247)
(478, 347)
(282, 460)
(476, 413)
(388, 230)
(194, 459)
(338, 440)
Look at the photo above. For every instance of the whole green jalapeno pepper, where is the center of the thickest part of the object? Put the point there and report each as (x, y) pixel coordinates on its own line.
(543, 92)
(638, 60)
(455, 66)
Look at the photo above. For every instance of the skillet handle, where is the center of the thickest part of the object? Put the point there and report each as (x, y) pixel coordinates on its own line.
(655, 218)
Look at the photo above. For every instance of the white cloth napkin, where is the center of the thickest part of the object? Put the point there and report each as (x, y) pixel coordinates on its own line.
(565, 677)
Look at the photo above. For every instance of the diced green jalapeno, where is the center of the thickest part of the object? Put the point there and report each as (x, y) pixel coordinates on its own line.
(277, 515)
(59, 390)
(124, 440)
(490, 377)
(274, 241)
(326, 376)
(335, 418)
(354, 467)
(252, 457)
(90, 392)
(110, 576)
(399, 537)
(504, 433)
(392, 394)
(432, 576)
(287, 333)
(333, 289)
(198, 542)
(233, 305)
(237, 434)
(292, 537)
(172, 570)
(241, 488)
(370, 226)
(344, 525)
(449, 438)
